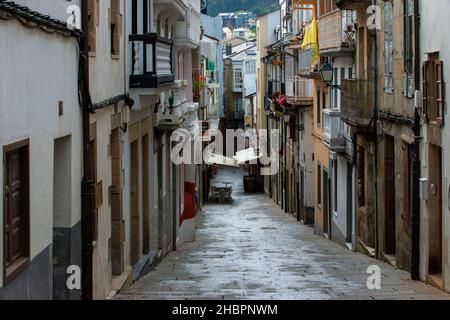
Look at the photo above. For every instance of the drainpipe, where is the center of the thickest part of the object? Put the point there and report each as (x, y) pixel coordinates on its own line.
(374, 74)
(415, 245)
(87, 184)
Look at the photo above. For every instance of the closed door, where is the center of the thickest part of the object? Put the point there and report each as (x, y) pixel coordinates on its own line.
(389, 197)
(435, 211)
(326, 204)
(145, 195)
(134, 205)
(16, 227)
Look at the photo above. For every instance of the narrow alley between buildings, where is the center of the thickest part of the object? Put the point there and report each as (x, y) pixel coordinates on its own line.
(251, 249)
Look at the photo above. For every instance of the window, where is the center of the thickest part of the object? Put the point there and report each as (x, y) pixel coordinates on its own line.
(361, 177)
(319, 109)
(319, 185)
(388, 48)
(115, 27)
(250, 67)
(350, 73)
(16, 209)
(93, 21)
(408, 52)
(237, 79)
(433, 90)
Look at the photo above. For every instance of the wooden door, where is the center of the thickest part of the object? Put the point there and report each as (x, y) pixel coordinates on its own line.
(326, 204)
(435, 211)
(390, 246)
(134, 199)
(16, 209)
(145, 195)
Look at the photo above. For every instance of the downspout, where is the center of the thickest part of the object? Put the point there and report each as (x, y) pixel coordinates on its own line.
(87, 184)
(415, 245)
(374, 74)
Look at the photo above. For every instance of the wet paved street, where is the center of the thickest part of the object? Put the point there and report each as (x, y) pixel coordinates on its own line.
(252, 250)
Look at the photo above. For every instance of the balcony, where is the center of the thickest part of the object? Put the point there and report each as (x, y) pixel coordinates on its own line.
(299, 91)
(337, 33)
(308, 67)
(151, 64)
(352, 4)
(356, 105)
(303, 4)
(171, 114)
(333, 136)
(212, 79)
(187, 32)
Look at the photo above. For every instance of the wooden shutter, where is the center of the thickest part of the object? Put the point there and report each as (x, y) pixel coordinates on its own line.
(439, 75)
(425, 69)
(407, 188)
(92, 27)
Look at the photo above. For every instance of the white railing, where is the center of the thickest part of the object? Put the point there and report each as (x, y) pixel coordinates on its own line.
(298, 88)
(189, 29)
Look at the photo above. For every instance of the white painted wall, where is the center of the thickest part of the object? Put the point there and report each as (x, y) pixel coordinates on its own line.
(37, 72)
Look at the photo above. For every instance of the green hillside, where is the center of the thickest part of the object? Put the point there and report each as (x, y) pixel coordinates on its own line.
(259, 7)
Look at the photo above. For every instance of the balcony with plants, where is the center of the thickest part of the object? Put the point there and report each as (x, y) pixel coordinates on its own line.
(337, 33)
(172, 111)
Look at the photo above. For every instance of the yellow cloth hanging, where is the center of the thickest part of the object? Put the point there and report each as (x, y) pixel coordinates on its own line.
(310, 41)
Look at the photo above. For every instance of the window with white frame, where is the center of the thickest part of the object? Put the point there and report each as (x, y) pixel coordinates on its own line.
(250, 67)
(237, 81)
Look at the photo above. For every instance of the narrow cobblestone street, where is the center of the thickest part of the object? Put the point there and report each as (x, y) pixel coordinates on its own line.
(253, 250)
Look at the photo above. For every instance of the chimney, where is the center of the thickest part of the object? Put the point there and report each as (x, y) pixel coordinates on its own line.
(229, 49)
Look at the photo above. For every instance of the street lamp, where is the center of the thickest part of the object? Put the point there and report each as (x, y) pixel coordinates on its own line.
(268, 112)
(287, 117)
(327, 74)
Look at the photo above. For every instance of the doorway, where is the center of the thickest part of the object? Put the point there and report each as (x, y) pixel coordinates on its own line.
(62, 211)
(145, 195)
(350, 204)
(326, 204)
(160, 200)
(117, 221)
(134, 202)
(390, 238)
(435, 215)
